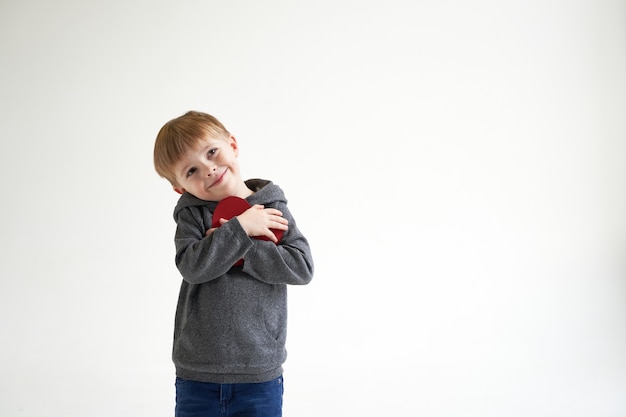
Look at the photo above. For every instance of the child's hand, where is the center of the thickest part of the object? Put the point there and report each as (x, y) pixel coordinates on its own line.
(258, 220)
(211, 230)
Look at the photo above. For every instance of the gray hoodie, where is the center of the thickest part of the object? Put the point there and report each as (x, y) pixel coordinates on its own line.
(231, 321)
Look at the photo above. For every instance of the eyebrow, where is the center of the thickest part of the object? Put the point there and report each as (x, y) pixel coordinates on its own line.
(186, 167)
(184, 170)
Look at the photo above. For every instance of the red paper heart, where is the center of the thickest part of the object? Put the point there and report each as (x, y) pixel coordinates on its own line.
(228, 208)
(233, 206)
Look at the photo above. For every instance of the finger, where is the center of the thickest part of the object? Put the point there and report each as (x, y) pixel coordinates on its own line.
(211, 230)
(280, 220)
(279, 226)
(272, 236)
(274, 212)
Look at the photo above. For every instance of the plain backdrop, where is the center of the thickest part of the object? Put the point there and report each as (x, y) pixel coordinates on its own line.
(459, 168)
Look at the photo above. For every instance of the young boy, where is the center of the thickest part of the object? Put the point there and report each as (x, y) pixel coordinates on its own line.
(231, 317)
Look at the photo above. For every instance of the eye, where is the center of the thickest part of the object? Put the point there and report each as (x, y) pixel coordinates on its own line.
(191, 172)
(211, 152)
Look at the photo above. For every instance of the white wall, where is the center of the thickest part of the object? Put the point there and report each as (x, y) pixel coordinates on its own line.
(459, 168)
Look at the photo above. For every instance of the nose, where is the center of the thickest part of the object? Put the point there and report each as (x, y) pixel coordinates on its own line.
(209, 169)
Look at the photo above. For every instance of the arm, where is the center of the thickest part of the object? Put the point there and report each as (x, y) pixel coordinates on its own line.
(204, 256)
(288, 262)
(201, 258)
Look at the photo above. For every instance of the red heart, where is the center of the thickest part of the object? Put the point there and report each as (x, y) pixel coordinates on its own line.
(233, 206)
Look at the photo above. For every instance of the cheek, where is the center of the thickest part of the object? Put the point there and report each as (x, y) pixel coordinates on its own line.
(233, 162)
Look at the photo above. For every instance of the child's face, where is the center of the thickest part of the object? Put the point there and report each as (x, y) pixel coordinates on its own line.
(211, 170)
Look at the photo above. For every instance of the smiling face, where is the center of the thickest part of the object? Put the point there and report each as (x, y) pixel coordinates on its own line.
(210, 171)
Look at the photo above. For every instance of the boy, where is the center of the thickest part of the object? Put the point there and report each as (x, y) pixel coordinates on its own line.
(231, 317)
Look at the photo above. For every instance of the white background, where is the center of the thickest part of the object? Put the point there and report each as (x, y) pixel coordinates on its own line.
(458, 167)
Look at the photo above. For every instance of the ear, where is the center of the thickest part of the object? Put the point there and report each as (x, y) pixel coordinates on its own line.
(179, 190)
(233, 144)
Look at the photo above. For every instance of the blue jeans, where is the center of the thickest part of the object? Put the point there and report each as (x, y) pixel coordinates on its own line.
(205, 399)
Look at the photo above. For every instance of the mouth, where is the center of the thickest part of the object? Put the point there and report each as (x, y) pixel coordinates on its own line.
(218, 180)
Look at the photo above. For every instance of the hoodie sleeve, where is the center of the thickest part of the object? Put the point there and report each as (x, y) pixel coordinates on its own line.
(289, 262)
(201, 258)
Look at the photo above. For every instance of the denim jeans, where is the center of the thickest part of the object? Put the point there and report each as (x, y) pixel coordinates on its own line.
(205, 399)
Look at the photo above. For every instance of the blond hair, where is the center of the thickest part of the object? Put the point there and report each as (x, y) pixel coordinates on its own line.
(178, 136)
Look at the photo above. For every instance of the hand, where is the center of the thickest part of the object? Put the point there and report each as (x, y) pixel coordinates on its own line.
(258, 220)
(211, 230)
